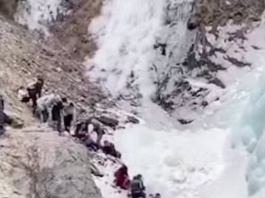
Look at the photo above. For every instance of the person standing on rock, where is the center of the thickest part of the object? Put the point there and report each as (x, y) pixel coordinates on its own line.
(68, 114)
(2, 116)
(35, 91)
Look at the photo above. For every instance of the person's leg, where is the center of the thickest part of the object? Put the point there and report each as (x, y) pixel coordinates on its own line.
(67, 122)
(45, 114)
(59, 126)
(100, 135)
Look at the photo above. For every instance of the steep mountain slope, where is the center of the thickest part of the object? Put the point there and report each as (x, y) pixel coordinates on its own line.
(35, 162)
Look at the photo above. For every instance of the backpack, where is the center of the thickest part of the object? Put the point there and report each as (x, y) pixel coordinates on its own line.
(136, 186)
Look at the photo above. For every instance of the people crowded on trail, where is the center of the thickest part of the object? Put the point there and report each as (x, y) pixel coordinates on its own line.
(60, 114)
(122, 179)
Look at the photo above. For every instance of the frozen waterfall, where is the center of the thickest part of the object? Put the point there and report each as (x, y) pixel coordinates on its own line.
(222, 155)
(131, 60)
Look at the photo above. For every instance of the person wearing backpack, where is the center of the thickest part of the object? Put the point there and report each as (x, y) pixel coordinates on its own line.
(137, 187)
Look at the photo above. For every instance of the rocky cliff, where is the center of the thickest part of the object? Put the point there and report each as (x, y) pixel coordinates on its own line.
(35, 162)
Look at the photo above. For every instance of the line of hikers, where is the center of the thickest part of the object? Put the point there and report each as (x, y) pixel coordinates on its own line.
(58, 112)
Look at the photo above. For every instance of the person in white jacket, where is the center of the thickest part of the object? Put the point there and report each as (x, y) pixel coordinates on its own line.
(44, 106)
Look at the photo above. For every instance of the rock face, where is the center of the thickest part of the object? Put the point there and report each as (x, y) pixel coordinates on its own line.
(8, 7)
(72, 30)
(23, 56)
(38, 163)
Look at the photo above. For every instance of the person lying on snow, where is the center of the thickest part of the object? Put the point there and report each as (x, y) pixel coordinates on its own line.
(35, 91)
(109, 149)
(137, 187)
(122, 178)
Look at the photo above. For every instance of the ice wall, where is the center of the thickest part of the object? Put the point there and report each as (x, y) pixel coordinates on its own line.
(251, 136)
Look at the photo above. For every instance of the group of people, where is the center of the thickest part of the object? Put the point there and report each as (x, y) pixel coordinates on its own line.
(60, 114)
(135, 186)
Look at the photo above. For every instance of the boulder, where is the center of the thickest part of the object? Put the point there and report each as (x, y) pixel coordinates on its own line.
(111, 122)
(42, 164)
(133, 120)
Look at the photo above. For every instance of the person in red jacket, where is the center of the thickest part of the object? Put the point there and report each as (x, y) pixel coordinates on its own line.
(122, 178)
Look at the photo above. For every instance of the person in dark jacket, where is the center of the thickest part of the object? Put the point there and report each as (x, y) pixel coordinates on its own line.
(122, 178)
(2, 116)
(81, 129)
(109, 149)
(68, 114)
(57, 115)
(137, 187)
(35, 91)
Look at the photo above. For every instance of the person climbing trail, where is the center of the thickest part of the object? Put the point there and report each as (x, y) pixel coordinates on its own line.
(68, 114)
(137, 187)
(122, 178)
(44, 106)
(35, 91)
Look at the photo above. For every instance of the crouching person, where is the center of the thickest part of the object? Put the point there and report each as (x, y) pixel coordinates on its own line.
(94, 125)
(122, 178)
(44, 106)
(109, 149)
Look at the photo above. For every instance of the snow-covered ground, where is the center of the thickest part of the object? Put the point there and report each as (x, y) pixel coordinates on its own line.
(220, 154)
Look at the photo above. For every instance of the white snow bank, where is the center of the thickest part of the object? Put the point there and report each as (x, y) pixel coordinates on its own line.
(173, 163)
